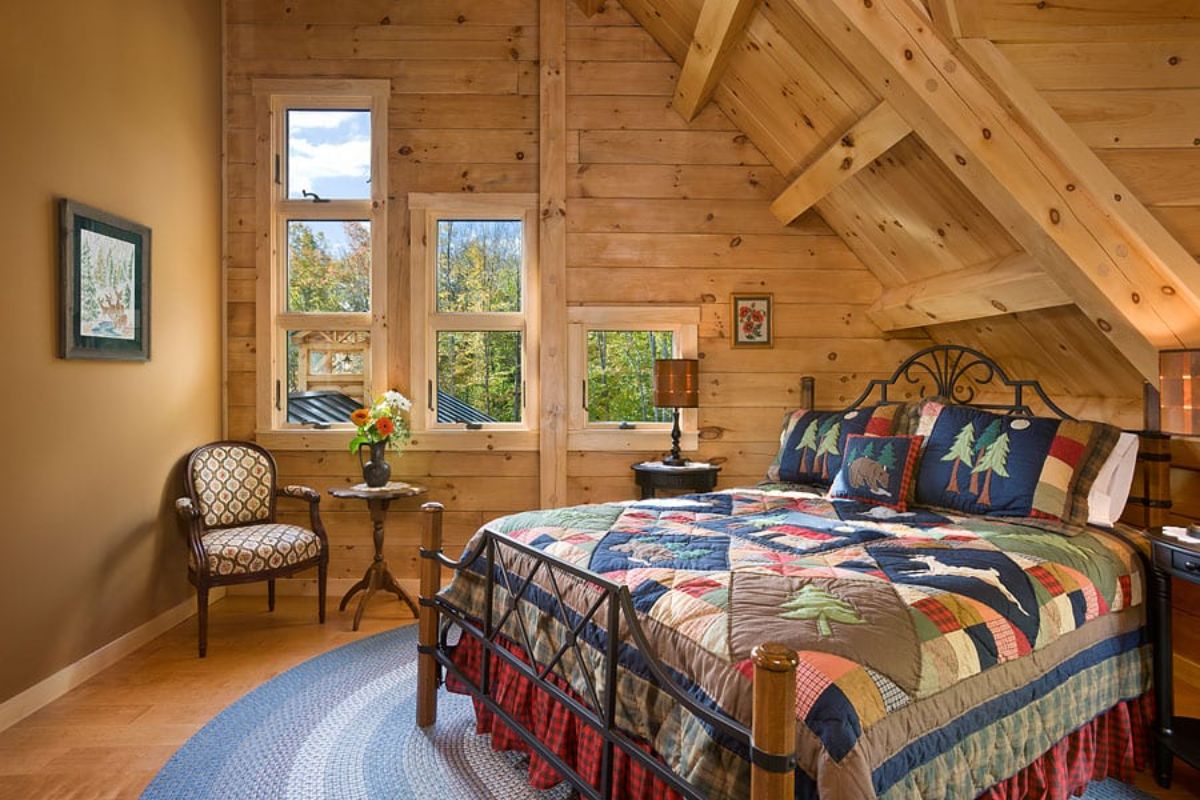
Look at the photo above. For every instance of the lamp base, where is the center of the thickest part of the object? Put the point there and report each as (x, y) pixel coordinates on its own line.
(675, 459)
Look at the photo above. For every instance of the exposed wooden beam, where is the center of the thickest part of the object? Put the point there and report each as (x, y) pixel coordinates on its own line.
(718, 27)
(865, 141)
(590, 7)
(552, 252)
(957, 18)
(1138, 300)
(1013, 283)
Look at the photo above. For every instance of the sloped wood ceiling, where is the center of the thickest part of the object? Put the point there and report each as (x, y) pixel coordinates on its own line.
(1127, 81)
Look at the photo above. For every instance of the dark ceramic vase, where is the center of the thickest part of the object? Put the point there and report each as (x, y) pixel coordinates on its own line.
(377, 471)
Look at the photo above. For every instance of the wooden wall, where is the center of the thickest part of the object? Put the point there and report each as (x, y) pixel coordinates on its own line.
(662, 211)
(463, 117)
(659, 211)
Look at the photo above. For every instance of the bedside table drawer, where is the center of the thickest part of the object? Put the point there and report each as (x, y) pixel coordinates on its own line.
(1186, 563)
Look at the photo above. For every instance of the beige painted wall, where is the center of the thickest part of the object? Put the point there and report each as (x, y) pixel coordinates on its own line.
(115, 103)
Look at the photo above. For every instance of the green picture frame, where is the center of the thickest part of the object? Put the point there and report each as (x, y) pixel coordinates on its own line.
(104, 271)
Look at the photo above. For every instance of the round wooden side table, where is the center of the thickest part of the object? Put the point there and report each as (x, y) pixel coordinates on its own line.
(654, 475)
(377, 575)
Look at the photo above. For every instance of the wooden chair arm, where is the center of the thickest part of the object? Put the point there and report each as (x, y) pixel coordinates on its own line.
(300, 493)
(187, 509)
(313, 497)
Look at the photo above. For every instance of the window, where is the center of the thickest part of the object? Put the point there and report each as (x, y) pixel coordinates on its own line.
(611, 362)
(473, 269)
(322, 305)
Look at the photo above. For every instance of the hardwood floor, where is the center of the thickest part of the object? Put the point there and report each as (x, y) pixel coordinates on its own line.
(107, 738)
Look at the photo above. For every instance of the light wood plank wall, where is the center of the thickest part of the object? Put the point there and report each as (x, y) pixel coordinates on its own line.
(463, 118)
(663, 211)
(658, 211)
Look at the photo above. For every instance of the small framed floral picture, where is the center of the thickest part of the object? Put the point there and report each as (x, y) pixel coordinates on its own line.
(752, 321)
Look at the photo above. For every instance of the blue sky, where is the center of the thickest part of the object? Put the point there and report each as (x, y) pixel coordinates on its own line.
(329, 152)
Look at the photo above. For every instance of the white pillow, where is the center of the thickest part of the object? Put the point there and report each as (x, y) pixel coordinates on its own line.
(1111, 488)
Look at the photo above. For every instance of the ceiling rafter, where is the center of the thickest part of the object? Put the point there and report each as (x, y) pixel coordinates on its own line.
(590, 7)
(720, 23)
(1139, 301)
(865, 141)
(1013, 283)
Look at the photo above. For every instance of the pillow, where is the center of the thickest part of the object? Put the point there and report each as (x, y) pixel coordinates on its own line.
(878, 470)
(811, 442)
(987, 464)
(1110, 490)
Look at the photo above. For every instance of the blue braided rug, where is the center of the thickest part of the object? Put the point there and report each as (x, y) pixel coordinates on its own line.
(342, 726)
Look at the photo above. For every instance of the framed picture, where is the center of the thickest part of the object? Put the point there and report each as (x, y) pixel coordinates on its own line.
(752, 321)
(105, 283)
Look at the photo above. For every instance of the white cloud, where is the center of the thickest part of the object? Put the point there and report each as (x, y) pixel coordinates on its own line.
(322, 119)
(309, 162)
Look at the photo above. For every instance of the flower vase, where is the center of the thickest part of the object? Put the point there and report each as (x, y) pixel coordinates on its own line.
(377, 471)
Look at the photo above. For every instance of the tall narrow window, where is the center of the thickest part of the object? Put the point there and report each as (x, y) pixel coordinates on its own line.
(473, 269)
(322, 349)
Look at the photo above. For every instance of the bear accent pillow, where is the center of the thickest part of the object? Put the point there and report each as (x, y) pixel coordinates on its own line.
(811, 442)
(878, 470)
(987, 464)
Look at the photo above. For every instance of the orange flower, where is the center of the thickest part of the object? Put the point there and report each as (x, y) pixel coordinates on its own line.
(360, 416)
(385, 426)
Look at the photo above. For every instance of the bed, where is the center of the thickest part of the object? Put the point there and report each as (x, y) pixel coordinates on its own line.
(773, 642)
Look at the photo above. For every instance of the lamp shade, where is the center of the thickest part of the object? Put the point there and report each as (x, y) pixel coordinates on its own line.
(1179, 391)
(677, 383)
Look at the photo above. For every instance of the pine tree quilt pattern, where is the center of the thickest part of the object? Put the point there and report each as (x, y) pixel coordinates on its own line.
(886, 611)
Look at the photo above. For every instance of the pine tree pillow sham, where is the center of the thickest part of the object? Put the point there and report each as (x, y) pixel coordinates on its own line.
(986, 464)
(877, 470)
(811, 443)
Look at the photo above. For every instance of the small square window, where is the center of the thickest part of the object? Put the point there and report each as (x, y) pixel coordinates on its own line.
(328, 375)
(329, 154)
(479, 266)
(620, 374)
(479, 377)
(329, 266)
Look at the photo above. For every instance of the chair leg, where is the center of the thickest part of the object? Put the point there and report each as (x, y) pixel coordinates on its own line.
(322, 581)
(202, 617)
(271, 595)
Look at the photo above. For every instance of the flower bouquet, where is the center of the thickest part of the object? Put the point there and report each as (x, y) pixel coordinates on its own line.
(378, 426)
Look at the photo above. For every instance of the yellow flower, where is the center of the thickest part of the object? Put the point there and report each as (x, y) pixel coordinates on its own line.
(360, 416)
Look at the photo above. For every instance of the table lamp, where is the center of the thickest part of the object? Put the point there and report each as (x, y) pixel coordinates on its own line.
(1179, 396)
(676, 386)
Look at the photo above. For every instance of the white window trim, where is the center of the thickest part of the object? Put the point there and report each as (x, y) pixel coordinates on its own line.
(582, 434)
(425, 210)
(273, 97)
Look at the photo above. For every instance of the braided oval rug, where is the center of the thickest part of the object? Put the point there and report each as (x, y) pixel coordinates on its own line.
(342, 726)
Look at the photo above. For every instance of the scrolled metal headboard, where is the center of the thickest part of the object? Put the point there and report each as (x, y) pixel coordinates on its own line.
(960, 374)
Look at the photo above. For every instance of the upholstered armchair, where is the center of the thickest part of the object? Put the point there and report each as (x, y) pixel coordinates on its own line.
(233, 536)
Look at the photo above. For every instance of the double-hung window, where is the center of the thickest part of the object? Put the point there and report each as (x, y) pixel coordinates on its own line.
(611, 358)
(474, 275)
(322, 274)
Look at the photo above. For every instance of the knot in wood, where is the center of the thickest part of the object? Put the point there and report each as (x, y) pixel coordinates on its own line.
(1168, 290)
(1104, 325)
(1055, 217)
(847, 162)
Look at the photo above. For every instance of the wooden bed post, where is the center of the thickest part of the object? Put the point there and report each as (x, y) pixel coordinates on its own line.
(808, 392)
(773, 728)
(427, 626)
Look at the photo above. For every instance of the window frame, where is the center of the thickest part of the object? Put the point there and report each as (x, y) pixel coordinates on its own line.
(584, 434)
(426, 210)
(273, 99)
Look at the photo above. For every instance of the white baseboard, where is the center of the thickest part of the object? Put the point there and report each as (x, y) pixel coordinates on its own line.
(46, 691)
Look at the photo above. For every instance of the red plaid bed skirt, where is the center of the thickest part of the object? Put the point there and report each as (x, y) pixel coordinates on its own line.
(1113, 745)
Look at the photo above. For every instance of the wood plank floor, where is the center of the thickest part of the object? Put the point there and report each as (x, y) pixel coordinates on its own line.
(107, 738)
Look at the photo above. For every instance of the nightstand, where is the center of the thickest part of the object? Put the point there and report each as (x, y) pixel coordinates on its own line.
(652, 476)
(1177, 736)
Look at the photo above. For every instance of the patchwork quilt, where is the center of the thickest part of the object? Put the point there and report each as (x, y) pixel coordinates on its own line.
(939, 653)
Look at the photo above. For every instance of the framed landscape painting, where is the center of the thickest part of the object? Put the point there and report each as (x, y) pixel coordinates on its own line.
(752, 320)
(105, 284)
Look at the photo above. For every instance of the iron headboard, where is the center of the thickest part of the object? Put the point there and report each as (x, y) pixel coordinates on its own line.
(959, 374)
